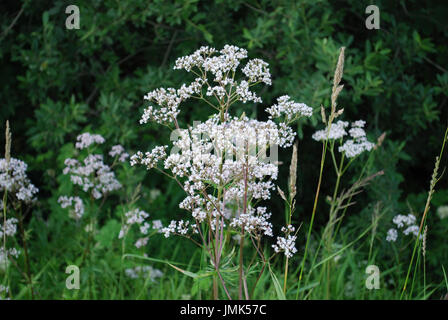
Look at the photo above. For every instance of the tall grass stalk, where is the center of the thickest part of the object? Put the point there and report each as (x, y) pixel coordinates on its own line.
(333, 114)
(434, 179)
(291, 203)
(5, 199)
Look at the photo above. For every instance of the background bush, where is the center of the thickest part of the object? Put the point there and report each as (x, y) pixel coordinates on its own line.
(56, 83)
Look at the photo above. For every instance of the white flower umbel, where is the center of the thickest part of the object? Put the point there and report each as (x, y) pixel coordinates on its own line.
(139, 218)
(17, 191)
(13, 178)
(10, 227)
(392, 235)
(254, 221)
(149, 159)
(5, 255)
(351, 147)
(90, 173)
(289, 109)
(215, 82)
(118, 151)
(407, 223)
(359, 143)
(336, 131)
(402, 220)
(75, 204)
(256, 70)
(85, 140)
(157, 225)
(286, 245)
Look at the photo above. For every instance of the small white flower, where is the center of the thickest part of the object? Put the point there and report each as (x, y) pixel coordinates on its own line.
(408, 222)
(14, 179)
(157, 225)
(10, 227)
(75, 203)
(289, 109)
(85, 140)
(141, 242)
(359, 143)
(286, 245)
(118, 151)
(392, 235)
(257, 70)
(442, 212)
(136, 217)
(337, 131)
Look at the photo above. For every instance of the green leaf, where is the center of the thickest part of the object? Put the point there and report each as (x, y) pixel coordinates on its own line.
(278, 288)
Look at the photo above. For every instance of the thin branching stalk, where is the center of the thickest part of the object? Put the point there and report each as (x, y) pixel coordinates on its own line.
(5, 193)
(26, 254)
(240, 280)
(328, 234)
(5, 196)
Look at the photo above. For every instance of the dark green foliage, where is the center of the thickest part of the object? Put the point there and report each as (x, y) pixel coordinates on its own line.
(56, 83)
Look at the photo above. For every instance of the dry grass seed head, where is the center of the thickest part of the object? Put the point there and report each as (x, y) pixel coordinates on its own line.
(7, 143)
(293, 173)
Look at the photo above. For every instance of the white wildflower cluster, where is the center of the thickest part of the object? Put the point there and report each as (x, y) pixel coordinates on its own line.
(220, 153)
(14, 180)
(85, 140)
(286, 244)
(143, 272)
(10, 228)
(334, 132)
(168, 100)
(289, 109)
(407, 223)
(205, 59)
(214, 153)
(90, 173)
(402, 220)
(351, 147)
(392, 235)
(194, 60)
(139, 218)
(118, 151)
(225, 153)
(75, 204)
(149, 159)
(359, 143)
(180, 227)
(157, 225)
(255, 221)
(245, 95)
(215, 77)
(442, 212)
(256, 70)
